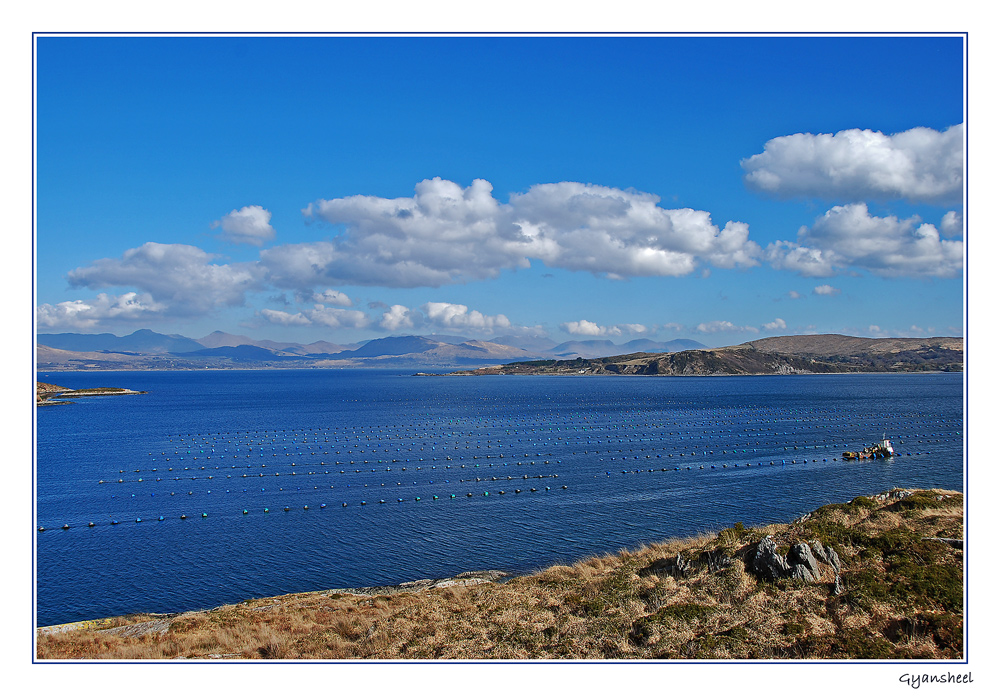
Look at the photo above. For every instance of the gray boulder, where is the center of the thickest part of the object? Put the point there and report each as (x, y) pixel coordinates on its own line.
(826, 554)
(767, 563)
(804, 565)
(801, 562)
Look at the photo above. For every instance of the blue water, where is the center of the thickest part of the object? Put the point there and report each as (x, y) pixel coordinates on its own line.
(615, 461)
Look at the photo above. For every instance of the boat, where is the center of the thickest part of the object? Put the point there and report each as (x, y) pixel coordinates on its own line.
(879, 450)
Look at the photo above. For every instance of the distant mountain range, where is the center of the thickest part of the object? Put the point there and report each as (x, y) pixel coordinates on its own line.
(145, 349)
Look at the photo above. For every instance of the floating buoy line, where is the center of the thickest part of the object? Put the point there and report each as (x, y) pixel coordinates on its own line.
(491, 451)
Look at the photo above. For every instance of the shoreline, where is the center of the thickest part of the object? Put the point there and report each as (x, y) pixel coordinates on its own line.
(813, 588)
(468, 578)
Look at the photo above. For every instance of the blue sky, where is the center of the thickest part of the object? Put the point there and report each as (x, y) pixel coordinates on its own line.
(345, 188)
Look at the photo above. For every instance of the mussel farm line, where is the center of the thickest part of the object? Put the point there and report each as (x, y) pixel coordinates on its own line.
(482, 457)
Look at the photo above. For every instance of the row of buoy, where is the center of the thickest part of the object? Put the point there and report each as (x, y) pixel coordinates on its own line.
(354, 463)
(286, 508)
(423, 433)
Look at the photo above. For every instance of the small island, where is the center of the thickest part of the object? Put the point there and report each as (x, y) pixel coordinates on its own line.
(51, 394)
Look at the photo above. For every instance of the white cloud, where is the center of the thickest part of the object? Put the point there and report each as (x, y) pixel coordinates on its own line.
(276, 316)
(794, 295)
(87, 314)
(848, 235)
(952, 224)
(178, 277)
(583, 227)
(327, 297)
(920, 164)
(458, 316)
(724, 326)
(825, 290)
(805, 261)
(399, 317)
(446, 234)
(777, 324)
(585, 327)
(248, 225)
(336, 318)
(331, 317)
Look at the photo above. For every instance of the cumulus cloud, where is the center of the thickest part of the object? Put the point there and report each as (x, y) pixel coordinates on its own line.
(952, 224)
(825, 290)
(277, 316)
(920, 165)
(848, 235)
(398, 317)
(336, 318)
(178, 277)
(585, 327)
(794, 295)
(447, 234)
(82, 315)
(457, 316)
(724, 326)
(327, 297)
(776, 325)
(331, 317)
(248, 225)
(583, 227)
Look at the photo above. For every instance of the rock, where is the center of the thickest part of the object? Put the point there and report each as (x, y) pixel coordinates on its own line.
(800, 563)
(826, 554)
(837, 586)
(767, 563)
(716, 560)
(680, 567)
(803, 563)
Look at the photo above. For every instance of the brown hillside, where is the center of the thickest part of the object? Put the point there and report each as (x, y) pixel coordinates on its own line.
(836, 344)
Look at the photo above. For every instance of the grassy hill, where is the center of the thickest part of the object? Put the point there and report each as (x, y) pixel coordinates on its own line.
(889, 586)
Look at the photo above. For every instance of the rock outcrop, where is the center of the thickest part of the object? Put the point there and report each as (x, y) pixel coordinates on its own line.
(802, 562)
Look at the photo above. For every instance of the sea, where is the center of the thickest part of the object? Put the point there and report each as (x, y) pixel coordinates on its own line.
(219, 486)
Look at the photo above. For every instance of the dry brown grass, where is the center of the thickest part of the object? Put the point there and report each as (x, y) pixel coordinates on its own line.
(902, 598)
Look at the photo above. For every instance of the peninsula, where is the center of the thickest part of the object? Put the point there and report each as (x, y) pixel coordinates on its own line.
(782, 355)
(47, 394)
